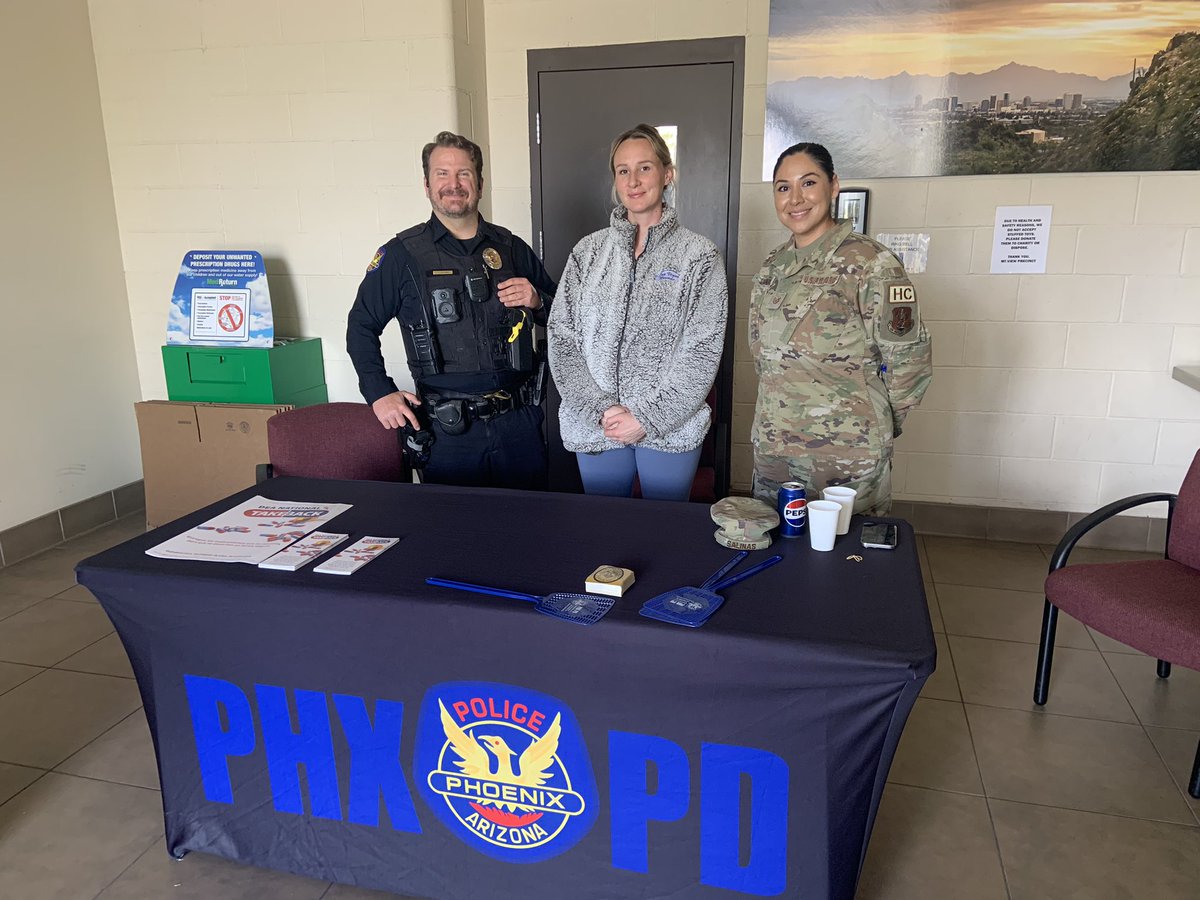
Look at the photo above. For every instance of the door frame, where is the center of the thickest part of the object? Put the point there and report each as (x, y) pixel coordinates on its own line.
(664, 53)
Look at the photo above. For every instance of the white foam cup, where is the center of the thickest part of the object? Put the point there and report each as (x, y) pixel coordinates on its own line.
(845, 496)
(822, 523)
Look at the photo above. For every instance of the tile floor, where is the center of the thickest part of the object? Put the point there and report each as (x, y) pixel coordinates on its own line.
(989, 797)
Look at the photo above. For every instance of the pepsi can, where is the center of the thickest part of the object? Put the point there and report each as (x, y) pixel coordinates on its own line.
(793, 510)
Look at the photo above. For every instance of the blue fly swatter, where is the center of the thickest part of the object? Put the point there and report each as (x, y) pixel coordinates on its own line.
(666, 607)
(582, 609)
(692, 606)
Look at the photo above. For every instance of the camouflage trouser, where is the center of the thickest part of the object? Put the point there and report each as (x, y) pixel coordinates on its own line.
(871, 478)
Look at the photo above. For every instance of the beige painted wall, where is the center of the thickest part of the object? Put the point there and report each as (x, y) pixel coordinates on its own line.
(294, 126)
(66, 352)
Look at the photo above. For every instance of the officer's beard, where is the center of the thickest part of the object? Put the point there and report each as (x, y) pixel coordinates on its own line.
(468, 209)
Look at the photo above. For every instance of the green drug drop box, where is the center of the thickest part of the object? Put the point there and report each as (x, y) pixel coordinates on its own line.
(292, 372)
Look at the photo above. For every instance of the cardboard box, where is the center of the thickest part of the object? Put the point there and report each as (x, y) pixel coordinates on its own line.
(293, 371)
(193, 454)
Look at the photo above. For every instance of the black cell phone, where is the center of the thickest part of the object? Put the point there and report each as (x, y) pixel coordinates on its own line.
(879, 535)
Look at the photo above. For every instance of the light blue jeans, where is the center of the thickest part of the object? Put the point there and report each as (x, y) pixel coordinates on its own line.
(663, 476)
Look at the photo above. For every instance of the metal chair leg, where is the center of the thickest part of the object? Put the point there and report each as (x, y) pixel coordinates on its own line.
(1164, 669)
(1194, 784)
(1041, 684)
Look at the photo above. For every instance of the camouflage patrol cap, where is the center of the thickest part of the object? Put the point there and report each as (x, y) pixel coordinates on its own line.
(744, 523)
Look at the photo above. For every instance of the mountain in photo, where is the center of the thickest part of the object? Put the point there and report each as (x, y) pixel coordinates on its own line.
(1158, 127)
(1015, 79)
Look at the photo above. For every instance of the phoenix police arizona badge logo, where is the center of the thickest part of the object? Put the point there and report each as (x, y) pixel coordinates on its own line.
(506, 769)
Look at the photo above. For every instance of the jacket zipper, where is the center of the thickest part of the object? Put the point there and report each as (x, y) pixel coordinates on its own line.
(628, 300)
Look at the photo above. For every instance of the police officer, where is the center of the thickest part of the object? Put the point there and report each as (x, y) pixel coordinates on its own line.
(467, 295)
(838, 342)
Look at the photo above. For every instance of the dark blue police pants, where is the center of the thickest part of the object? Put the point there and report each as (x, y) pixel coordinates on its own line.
(505, 451)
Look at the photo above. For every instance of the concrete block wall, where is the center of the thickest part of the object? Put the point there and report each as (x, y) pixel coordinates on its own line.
(1054, 391)
(293, 127)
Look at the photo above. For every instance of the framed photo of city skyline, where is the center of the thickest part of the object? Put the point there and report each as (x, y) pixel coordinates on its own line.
(971, 87)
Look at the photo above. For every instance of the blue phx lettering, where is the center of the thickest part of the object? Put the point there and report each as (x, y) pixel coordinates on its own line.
(374, 749)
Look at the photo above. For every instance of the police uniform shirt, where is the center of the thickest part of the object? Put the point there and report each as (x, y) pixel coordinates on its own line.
(393, 289)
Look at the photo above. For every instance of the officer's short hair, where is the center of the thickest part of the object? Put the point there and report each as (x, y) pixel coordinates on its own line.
(818, 152)
(457, 142)
(641, 132)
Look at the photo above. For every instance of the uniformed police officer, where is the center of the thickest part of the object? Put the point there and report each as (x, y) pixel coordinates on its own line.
(841, 352)
(467, 294)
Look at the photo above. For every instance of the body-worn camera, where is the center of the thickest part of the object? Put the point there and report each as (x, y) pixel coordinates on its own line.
(445, 306)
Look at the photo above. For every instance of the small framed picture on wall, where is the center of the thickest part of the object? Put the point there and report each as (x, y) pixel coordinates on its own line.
(852, 205)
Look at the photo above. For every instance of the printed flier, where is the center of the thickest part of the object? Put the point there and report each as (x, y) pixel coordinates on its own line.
(250, 532)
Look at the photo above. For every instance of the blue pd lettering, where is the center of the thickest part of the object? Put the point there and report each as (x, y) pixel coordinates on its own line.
(633, 806)
(721, 768)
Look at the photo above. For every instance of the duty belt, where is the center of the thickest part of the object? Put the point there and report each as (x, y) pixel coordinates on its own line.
(479, 406)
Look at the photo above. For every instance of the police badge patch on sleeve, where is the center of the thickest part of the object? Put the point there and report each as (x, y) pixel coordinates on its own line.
(376, 259)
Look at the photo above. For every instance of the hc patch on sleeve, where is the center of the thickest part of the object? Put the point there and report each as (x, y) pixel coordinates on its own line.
(376, 259)
(901, 293)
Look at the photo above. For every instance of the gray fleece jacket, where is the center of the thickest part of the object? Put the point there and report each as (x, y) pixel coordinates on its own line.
(644, 333)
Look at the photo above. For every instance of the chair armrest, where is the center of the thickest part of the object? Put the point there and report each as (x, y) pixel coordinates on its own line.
(1058, 558)
(262, 472)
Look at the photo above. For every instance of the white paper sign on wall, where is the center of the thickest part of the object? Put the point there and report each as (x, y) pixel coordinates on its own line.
(1021, 240)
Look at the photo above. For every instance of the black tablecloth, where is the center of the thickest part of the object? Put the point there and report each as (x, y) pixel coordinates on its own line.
(312, 722)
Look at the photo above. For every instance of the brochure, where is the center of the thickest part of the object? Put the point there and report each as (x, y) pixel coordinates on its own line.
(356, 556)
(250, 532)
(304, 551)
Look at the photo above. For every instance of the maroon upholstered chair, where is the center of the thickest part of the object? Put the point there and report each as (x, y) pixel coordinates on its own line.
(1153, 605)
(334, 440)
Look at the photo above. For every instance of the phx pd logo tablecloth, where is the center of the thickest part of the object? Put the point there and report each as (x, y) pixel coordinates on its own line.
(506, 769)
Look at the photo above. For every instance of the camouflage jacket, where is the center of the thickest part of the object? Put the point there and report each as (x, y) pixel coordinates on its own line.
(840, 349)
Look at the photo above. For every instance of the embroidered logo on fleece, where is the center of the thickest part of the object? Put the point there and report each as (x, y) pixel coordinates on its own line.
(667, 275)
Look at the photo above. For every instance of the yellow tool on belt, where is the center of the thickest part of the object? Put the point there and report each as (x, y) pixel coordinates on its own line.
(517, 328)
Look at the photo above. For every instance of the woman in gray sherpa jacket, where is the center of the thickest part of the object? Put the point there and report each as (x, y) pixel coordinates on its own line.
(635, 334)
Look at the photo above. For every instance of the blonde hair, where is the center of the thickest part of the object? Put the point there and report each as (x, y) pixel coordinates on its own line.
(659, 147)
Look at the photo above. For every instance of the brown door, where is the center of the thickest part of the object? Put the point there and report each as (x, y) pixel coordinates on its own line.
(580, 98)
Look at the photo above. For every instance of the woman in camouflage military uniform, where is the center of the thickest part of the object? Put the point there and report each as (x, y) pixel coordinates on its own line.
(838, 343)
